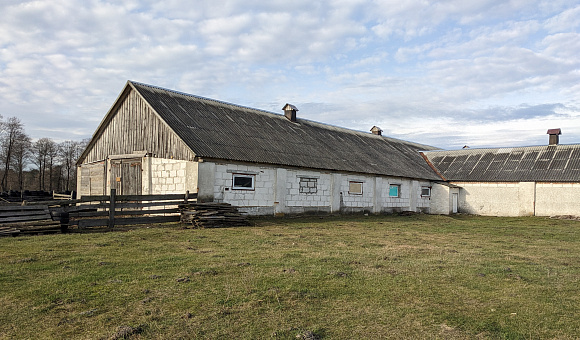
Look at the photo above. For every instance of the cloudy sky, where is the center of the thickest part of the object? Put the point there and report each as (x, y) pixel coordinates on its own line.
(448, 73)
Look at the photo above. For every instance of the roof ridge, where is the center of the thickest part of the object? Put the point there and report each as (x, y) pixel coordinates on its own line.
(204, 98)
(504, 148)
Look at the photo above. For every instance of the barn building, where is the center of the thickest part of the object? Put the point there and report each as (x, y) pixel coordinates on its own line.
(159, 141)
(520, 181)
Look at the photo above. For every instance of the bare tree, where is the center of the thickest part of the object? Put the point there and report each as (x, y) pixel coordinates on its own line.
(43, 157)
(21, 152)
(12, 133)
(69, 152)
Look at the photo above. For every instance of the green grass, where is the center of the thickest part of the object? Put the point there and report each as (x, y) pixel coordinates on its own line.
(351, 277)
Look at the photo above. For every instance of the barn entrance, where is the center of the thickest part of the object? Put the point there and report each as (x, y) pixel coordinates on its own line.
(126, 176)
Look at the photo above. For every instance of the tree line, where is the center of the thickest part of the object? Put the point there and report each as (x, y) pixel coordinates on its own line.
(43, 164)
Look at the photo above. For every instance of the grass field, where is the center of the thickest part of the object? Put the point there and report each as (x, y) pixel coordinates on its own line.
(355, 277)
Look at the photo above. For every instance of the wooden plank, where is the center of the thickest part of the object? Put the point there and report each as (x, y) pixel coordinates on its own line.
(136, 205)
(111, 223)
(22, 207)
(25, 218)
(146, 204)
(147, 212)
(24, 213)
(127, 221)
(94, 198)
(167, 197)
(89, 214)
(9, 232)
(146, 220)
(125, 213)
(103, 198)
(39, 227)
(31, 223)
(78, 208)
(93, 223)
(53, 202)
(31, 214)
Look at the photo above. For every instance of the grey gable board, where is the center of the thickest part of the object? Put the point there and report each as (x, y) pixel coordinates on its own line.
(218, 130)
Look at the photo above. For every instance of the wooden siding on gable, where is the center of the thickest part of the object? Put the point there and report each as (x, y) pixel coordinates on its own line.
(132, 126)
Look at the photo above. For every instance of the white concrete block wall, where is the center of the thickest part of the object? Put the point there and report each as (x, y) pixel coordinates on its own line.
(557, 199)
(360, 201)
(489, 199)
(278, 190)
(423, 202)
(320, 197)
(264, 185)
(168, 176)
(440, 199)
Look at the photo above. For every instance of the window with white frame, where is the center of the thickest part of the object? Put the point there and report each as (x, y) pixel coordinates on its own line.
(425, 191)
(355, 188)
(308, 185)
(243, 181)
(395, 190)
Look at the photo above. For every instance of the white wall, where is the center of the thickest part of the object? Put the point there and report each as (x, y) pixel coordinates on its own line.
(278, 190)
(489, 199)
(557, 199)
(440, 199)
(519, 199)
(169, 176)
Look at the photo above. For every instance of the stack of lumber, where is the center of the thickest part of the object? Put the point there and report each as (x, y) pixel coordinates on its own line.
(8, 231)
(212, 215)
(27, 219)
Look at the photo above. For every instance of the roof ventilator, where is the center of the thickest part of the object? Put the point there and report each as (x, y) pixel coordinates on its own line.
(290, 112)
(377, 131)
(554, 133)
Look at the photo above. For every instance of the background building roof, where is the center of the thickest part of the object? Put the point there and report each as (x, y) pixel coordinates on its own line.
(550, 163)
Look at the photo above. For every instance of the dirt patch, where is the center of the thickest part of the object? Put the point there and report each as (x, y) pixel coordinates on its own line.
(126, 332)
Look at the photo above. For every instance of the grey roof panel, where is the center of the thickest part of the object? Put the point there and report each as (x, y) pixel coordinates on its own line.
(214, 129)
(550, 163)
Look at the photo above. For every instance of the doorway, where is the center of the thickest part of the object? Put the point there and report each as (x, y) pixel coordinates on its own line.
(126, 176)
(455, 201)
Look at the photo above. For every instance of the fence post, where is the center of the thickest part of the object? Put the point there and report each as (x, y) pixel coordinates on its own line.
(186, 197)
(112, 208)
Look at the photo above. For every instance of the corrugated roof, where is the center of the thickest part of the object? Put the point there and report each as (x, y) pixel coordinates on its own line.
(549, 163)
(219, 130)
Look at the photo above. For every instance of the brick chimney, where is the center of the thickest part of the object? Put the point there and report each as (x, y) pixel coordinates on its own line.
(554, 133)
(290, 112)
(377, 131)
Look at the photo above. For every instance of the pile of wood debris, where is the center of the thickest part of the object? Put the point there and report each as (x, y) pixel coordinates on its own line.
(212, 215)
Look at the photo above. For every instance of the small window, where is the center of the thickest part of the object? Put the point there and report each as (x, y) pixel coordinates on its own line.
(425, 191)
(308, 185)
(243, 182)
(355, 188)
(394, 190)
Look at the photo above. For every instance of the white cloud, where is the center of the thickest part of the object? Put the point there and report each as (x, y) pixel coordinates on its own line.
(419, 68)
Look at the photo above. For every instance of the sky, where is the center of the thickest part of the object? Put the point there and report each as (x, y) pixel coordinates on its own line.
(482, 73)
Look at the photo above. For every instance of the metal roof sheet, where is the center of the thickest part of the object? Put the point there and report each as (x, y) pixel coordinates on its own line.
(214, 129)
(549, 163)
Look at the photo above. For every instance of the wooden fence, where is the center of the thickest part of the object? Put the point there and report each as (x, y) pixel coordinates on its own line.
(117, 210)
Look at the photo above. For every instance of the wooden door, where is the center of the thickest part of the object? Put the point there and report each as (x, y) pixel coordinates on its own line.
(126, 176)
(455, 198)
(93, 179)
